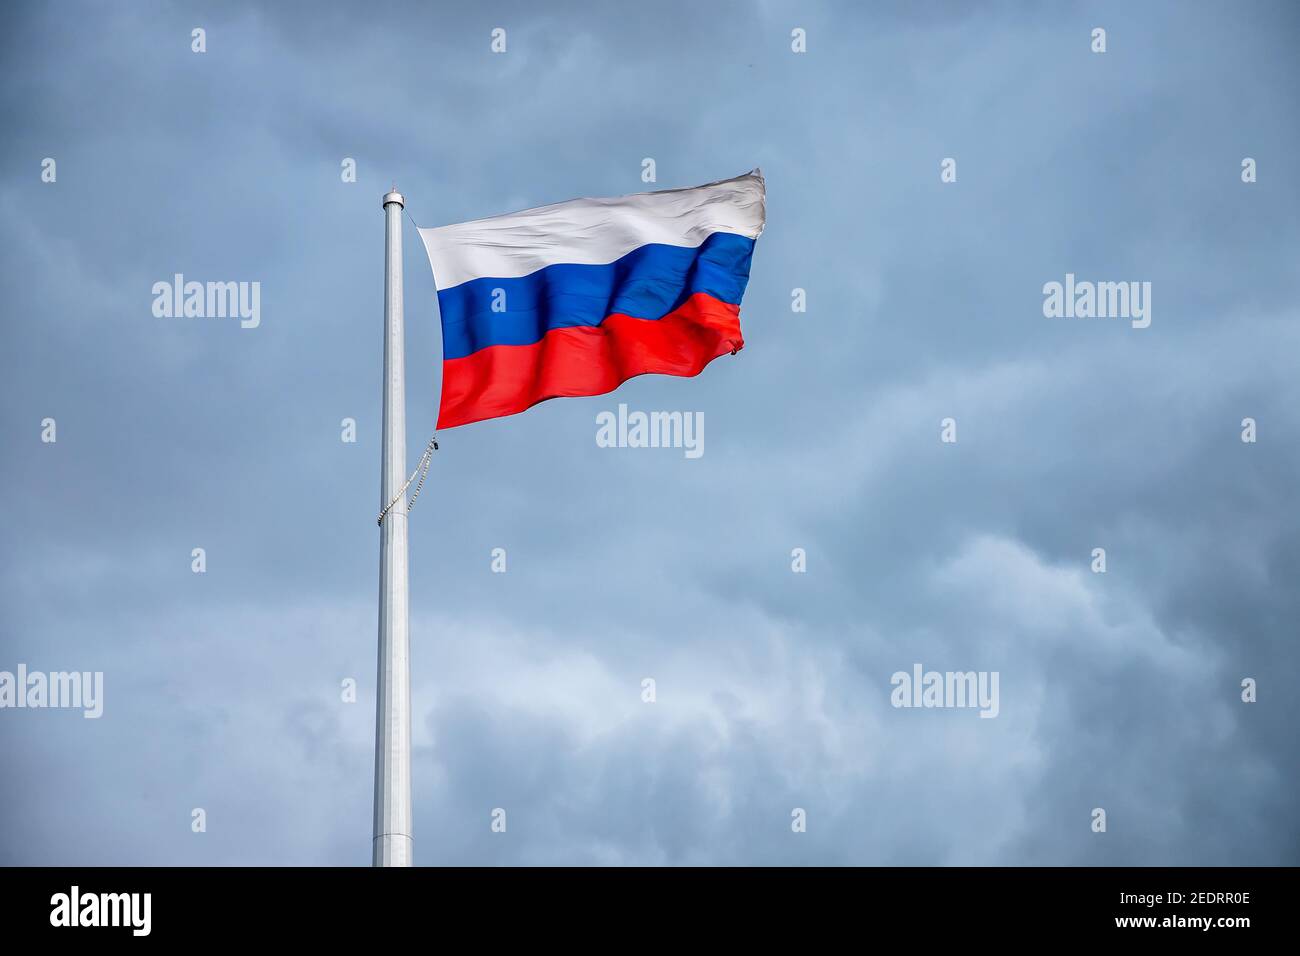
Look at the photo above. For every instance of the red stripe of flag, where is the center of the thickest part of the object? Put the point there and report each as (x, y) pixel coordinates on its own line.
(587, 360)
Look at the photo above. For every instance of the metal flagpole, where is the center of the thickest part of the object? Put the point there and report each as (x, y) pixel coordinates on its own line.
(392, 834)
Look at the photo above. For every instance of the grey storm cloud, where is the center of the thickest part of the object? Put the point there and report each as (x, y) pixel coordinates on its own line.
(924, 301)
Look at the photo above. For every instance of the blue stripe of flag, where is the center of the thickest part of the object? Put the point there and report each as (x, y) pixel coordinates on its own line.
(647, 283)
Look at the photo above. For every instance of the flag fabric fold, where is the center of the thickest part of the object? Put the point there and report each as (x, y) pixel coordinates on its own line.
(577, 297)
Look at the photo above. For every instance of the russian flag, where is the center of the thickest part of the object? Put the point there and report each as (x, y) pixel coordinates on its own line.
(577, 297)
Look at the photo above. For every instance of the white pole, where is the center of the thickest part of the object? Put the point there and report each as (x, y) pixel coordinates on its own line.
(392, 835)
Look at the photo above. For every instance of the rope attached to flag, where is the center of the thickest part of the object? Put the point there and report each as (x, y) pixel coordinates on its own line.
(422, 469)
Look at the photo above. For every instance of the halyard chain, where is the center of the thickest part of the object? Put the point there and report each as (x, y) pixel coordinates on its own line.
(422, 469)
(425, 460)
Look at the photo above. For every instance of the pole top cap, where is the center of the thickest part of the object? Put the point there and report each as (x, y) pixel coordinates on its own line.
(394, 196)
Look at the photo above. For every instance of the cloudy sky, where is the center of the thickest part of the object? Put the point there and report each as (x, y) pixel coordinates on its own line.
(1119, 691)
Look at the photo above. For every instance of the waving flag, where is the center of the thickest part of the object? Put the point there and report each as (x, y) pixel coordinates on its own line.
(578, 297)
